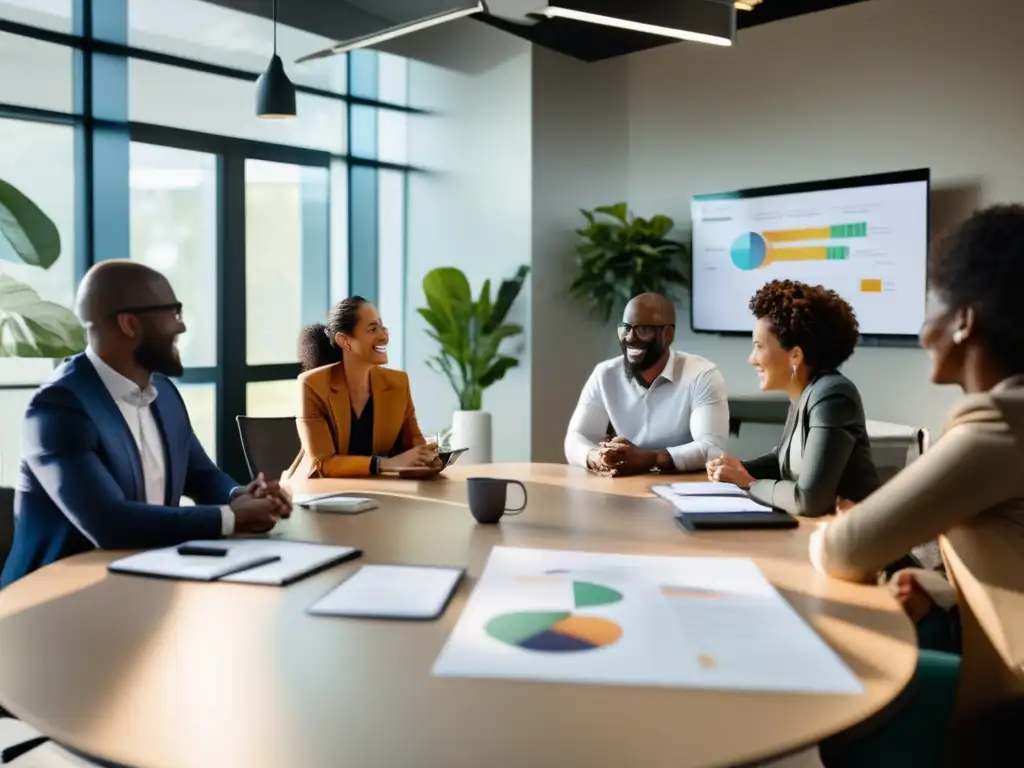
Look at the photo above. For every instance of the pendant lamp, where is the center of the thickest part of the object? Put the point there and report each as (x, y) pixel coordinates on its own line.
(275, 94)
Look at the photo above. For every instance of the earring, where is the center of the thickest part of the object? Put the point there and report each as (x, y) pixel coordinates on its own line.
(794, 372)
(958, 336)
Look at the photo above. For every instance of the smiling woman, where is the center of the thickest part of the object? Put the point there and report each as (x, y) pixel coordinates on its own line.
(356, 418)
(802, 334)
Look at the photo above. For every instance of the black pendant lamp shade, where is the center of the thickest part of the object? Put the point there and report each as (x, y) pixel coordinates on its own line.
(275, 94)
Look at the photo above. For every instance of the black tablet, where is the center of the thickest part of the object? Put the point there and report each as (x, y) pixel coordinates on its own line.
(722, 521)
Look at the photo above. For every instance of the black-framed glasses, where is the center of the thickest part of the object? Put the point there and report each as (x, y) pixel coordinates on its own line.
(174, 308)
(643, 331)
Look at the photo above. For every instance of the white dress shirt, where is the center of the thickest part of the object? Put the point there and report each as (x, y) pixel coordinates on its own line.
(134, 404)
(685, 411)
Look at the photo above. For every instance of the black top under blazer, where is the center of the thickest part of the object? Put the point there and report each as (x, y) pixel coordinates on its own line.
(835, 452)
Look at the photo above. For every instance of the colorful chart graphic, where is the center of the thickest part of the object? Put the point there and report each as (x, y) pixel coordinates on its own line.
(754, 250)
(553, 631)
(560, 631)
(692, 593)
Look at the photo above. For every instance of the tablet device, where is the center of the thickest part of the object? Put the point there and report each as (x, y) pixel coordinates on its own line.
(450, 457)
(721, 521)
(411, 592)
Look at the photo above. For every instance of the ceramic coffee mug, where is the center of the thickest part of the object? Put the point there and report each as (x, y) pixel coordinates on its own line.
(488, 497)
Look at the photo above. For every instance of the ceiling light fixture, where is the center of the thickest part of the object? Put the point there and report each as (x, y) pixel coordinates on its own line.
(747, 5)
(275, 94)
(700, 21)
(398, 31)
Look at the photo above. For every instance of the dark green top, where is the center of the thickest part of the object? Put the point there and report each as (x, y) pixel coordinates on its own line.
(830, 458)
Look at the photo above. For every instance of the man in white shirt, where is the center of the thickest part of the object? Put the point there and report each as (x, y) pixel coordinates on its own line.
(665, 410)
(108, 447)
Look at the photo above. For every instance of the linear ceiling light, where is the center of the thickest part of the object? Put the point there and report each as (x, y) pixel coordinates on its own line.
(700, 21)
(398, 31)
(747, 5)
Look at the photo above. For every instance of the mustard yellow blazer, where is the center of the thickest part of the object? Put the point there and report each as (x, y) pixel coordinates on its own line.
(325, 420)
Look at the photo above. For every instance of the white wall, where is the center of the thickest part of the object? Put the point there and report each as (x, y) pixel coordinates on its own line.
(875, 86)
(473, 209)
(580, 144)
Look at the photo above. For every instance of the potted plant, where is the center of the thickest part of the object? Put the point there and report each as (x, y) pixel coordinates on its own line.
(470, 334)
(29, 326)
(622, 255)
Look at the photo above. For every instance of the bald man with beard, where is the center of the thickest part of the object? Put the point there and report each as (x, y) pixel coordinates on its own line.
(653, 408)
(108, 448)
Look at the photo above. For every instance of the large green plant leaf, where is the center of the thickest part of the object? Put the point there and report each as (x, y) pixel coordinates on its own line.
(31, 233)
(31, 327)
(507, 294)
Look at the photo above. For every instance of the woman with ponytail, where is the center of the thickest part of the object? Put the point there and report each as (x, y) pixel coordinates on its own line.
(356, 418)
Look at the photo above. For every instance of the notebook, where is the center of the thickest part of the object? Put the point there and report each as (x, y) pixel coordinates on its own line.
(392, 592)
(251, 561)
(693, 505)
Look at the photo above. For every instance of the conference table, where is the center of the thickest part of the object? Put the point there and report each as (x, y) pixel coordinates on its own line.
(157, 673)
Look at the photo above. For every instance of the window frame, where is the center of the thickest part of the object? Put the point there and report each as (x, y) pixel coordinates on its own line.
(103, 135)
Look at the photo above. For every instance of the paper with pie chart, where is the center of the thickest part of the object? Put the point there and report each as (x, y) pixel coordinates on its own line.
(582, 617)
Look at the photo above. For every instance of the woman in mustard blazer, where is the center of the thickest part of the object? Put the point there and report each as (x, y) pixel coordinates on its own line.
(356, 419)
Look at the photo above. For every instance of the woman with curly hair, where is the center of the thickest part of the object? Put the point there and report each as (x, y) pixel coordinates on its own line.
(356, 418)
(802, 334)
(968, 491)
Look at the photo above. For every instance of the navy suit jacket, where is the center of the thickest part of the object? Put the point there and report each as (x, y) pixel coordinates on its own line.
(80, 483)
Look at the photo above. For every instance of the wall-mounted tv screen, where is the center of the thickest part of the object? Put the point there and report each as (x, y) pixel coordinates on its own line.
(865, 238)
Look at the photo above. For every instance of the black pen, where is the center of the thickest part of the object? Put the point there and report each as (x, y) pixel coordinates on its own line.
(196, 549)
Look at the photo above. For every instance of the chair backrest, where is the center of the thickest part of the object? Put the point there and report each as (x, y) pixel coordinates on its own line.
(6, 523)
(270, 444)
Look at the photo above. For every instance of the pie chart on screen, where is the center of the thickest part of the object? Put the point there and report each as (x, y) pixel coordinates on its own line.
(561, 631)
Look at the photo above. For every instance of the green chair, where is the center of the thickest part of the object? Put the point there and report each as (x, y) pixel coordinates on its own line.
(911, 732)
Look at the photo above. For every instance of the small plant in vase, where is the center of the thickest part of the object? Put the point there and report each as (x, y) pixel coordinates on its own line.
(470, 333)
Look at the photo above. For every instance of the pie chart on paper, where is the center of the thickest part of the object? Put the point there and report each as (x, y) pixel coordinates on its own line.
(561, 631)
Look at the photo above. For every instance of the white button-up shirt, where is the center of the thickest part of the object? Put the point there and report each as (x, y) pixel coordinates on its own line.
(134, 404)
(685, 411)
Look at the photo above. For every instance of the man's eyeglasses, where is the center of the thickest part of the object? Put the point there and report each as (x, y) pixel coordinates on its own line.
(644, 332)
(174, 308)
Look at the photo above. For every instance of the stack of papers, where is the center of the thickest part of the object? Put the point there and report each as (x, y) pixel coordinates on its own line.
(250, 561)
(708, 498)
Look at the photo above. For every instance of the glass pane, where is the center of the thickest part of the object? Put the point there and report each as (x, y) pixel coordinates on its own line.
(339, 231)
(271, 398)
(13, 404)
(201, 403)
(392, 136)
(281, 245)
(393, 78)
(44, 73)
(39, 159)
(174, 230)
(203, 31)
(391, 261)
(182, 98)
(48, 14)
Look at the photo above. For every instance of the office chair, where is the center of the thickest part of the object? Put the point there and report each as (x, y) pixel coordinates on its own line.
(270, 444)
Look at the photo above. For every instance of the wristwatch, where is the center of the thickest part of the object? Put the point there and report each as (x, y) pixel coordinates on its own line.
(375, 466)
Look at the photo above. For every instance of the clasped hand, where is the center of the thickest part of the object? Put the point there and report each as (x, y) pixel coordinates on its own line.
(618, 456)
(729, 469)
(420, 461)
(260, 505)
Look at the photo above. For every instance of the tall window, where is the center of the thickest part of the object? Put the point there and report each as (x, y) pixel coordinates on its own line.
(249, 219)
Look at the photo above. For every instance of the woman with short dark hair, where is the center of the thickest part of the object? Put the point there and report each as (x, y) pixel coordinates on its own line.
(967, 490)
(802, 334)
(356, 417)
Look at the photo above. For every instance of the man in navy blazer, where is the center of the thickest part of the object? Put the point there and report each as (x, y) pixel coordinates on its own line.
(108, 446)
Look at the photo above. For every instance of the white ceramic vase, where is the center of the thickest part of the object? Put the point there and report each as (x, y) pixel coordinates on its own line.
(472, 429)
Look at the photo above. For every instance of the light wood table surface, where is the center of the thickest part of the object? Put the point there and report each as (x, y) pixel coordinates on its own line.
(166, 674)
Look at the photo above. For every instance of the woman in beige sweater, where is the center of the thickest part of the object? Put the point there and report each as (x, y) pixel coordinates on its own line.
(969, 489)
